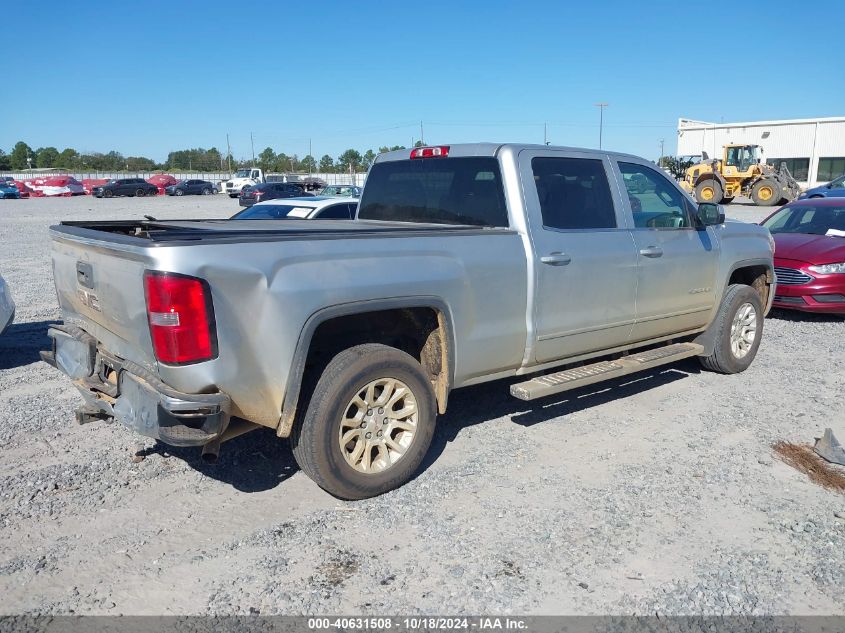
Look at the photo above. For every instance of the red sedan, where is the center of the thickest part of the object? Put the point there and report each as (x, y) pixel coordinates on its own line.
(810, 255)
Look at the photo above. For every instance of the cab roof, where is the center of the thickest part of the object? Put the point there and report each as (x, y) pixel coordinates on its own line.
(459, 150)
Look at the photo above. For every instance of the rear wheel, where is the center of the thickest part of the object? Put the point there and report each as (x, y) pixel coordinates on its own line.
(140, 193)
(107, 193)
(766, 193)
(368, 424)
(179, 192)
(709, 191)
(739, 326)
(206, 192)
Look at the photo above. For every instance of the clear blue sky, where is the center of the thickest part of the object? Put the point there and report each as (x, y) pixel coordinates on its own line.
(144, 78)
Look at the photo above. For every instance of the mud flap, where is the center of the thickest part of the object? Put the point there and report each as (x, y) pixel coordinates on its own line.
(828, 447)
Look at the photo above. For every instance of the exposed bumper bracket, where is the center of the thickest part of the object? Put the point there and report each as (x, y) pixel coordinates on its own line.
(119, 389)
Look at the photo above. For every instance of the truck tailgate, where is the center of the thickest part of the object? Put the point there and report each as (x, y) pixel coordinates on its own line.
(100, 288)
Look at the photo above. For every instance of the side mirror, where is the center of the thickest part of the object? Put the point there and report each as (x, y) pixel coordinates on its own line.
(711, 214)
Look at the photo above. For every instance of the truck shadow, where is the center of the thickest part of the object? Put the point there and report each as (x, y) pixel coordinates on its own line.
(21, 342)
(258, 461)
(476, 405)
(252, 462)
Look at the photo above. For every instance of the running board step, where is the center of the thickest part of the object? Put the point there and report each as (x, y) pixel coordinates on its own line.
(557, 382)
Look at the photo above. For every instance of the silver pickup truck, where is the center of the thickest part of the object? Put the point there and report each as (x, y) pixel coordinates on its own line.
(466, 264)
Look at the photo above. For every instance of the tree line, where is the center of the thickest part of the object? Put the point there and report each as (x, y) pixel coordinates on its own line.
(23, 157)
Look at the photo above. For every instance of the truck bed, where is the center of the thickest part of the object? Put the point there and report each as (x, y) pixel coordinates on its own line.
(184, 232)
(267, 278)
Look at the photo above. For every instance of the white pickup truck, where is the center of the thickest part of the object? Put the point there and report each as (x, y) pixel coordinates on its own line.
(465, 264)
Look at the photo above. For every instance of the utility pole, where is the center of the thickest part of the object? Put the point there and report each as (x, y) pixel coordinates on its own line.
(601, 106)
(422, 136)
(310, 156)
(252, 144)
(660, 161)
(228, 153)
(545, 135)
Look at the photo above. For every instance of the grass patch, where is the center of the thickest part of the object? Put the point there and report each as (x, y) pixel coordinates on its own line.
(803, 459)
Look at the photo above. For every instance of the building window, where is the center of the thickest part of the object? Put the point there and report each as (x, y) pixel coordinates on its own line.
(830, 168)
(798, 167)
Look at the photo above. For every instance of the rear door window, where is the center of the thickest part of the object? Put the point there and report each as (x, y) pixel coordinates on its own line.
(466, 191)
(335, 212)
(574, 193)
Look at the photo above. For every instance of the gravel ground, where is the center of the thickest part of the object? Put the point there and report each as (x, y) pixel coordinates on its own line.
(657, 493)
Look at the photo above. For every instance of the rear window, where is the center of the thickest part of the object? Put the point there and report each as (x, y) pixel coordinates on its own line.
(439, 190)
(273, 212)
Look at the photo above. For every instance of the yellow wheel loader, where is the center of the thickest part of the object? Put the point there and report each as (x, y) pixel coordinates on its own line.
(740, 172)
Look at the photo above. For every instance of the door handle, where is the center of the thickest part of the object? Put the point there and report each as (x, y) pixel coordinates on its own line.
(651, 251)
(556, 259)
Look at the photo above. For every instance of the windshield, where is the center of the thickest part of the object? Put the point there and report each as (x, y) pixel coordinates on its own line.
(242, 173)
(438, 190)
(742, 157)
(273, 212)
(806, 219)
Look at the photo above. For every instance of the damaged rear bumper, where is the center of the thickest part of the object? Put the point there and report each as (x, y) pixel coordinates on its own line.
(123, 390)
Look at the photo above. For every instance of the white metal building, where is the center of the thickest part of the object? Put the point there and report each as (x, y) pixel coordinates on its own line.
(813, 149)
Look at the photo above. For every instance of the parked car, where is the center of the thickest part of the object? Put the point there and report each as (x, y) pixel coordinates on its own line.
(810, 255)
(269, 191)
(342, 191)
(465, 264)
(834, 189)
(184, 187)
(304, 207)
(9, 190)
(7, 306)
(251, 176)
(125, 187)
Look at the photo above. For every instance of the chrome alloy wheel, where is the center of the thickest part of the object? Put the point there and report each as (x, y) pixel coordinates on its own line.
(743, 330)
(378, 425)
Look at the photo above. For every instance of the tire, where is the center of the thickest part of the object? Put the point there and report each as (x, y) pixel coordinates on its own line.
(140, 193)
(107, 194)
(766, 193)
(727, 200)
(233, 195)
(206, 192)
(316, 437)
(179, 192)
(724, 359)
(709, 191)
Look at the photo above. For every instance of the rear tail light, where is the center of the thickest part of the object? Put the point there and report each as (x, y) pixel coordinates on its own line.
(441, 151)
(181, 318)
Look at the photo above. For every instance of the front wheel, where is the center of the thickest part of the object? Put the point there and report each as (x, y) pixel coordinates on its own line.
(368, 424)
(233, 195)
(206, 192)
(739, 327)
(140, 193)
(766, 193)
(179, 192)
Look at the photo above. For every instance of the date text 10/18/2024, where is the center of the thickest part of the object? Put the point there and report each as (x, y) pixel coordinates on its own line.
(417, 623)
